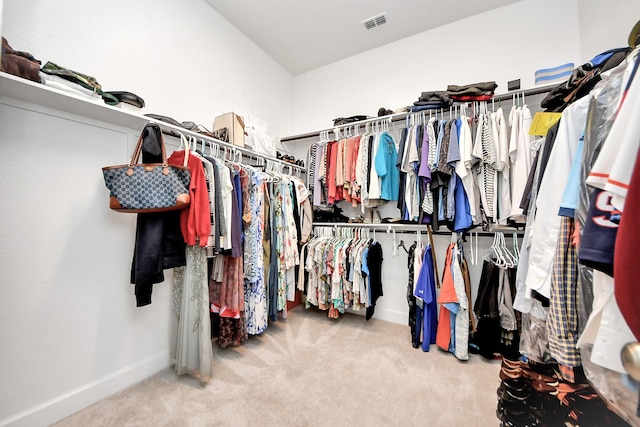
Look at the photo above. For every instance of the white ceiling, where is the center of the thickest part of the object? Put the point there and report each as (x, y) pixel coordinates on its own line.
(306, 34)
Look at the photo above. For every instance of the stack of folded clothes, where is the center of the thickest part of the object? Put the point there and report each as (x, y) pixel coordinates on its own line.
(474, 92)
(432, 100)
(535, 395)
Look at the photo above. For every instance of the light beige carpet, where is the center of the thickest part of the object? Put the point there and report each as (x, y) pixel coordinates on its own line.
(310, 370)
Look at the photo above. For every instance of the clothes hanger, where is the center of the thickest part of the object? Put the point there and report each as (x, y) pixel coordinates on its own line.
(508, 259)
(511, 260)
(472, 256)
(492, 254)
(401, 245)
(183, 141)
(395, 246)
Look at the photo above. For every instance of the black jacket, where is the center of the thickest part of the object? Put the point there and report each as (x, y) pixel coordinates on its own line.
(159, 242)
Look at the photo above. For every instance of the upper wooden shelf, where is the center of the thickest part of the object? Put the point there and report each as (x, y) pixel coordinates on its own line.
(36, 93)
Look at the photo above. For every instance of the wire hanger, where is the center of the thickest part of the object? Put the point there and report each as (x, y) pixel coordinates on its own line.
(183, 141)
(401, 245)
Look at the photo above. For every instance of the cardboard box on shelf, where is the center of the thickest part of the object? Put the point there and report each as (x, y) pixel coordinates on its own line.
(234, 125)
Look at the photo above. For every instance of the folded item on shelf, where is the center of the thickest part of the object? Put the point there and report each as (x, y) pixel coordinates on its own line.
(472, 89)
(545, 76)
(582, 80)
(18, 63)
(439, 104)
(260, 142)
(221, 135)
(169, 120)
(67, 86)
(472, 98)
(331, 213)
(84, 80)
(386, 112)
(428, 106)
(193, 127)
(347, 120)
(127, 98)
(441, 96)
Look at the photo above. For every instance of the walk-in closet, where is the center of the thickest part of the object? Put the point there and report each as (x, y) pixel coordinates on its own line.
(232, 212)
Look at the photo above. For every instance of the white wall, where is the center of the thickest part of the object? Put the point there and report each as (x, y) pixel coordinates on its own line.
(501, 45)
(71, 333)
(605, 25)
(182, 57)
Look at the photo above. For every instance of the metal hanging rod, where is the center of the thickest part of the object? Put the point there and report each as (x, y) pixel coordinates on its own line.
(399, 227)
(243, 150)
(401, 116)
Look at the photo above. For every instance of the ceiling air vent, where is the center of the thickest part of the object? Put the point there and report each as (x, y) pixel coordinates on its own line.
(374, 21)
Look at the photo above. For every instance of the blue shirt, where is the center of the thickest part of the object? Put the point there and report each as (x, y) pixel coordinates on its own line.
(462, 217)
(426, 290)
(385, 164)
(571, 193)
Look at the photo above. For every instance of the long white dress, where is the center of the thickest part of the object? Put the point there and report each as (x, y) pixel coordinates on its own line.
(520, 151)
(194, 352)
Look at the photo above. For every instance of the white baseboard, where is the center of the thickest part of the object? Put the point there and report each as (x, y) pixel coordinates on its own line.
(388, 315)
(393, 316)
(66, 404)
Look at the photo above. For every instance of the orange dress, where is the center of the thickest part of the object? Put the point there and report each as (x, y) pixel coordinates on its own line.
(447, 295)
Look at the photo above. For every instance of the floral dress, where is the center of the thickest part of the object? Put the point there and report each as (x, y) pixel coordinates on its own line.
(255, 296)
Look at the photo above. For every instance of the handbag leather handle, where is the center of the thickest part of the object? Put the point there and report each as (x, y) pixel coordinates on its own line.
(138, 150)
(165, 165)
(186, 141)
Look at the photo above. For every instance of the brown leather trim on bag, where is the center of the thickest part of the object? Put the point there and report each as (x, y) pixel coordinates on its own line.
(182, 202)
(155, 165)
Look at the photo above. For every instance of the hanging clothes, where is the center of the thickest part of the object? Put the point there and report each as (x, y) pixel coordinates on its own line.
(159, 243)
(426, 315)
(385, 162)
(464, 166)
(520, 154)
(496, 333)
(447, 296)
(193, 351)
(374, 262)
(453, 324)
(411, 298)
(484, 150)
(256, 311)
(344, 272)
(503, 185)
